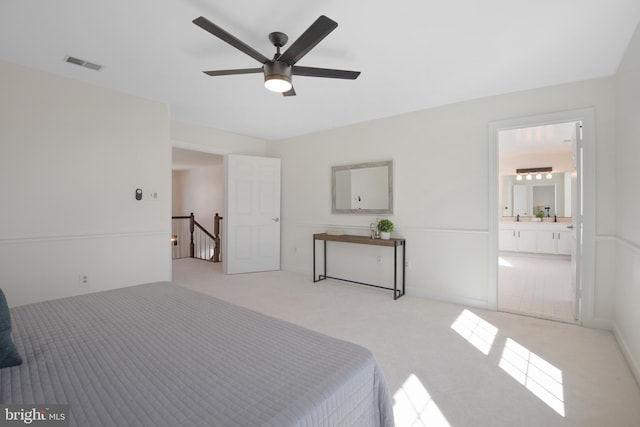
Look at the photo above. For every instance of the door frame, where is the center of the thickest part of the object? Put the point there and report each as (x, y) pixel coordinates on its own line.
(587, 264)
(209, 150)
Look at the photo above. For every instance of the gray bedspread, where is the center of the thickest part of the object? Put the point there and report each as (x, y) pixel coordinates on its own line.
(161, 355)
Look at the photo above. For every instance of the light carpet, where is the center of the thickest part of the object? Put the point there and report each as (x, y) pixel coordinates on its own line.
(449, 365)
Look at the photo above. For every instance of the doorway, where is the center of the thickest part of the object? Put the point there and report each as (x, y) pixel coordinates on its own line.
(198, 189)
(537, 228)
(245, 190)
(536, 170)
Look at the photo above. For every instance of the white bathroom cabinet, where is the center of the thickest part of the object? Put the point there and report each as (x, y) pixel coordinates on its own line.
(535, 237)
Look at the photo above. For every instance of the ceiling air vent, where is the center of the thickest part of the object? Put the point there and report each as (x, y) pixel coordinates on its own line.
(83, 63)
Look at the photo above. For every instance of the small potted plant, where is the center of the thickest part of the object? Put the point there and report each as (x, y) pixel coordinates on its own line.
(385, 227)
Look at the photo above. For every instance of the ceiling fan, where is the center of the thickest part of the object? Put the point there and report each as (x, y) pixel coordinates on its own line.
(279, 70)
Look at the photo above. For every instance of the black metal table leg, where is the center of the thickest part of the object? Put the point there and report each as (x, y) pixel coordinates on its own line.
(325, 259)
(397, 293)
(395, 271)
(404, 264)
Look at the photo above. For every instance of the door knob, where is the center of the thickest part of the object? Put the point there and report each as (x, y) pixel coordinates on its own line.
(276, 219)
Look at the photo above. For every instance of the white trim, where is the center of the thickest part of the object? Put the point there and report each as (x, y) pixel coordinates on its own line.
(587, 116)
(365, 229)
(445, 230)
(628, 355)
(634, 364)
(197, 147)
(449, 299)
(53, 238)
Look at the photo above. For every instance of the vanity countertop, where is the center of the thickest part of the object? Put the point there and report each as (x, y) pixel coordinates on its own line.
(528, 219)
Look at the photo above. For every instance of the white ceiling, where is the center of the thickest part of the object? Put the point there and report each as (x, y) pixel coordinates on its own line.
(413, 54)
(554, 138)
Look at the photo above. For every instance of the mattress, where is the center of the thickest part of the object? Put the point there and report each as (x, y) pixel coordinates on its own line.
(162, 355)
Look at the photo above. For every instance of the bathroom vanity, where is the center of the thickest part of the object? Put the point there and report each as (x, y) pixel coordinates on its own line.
(536, 237)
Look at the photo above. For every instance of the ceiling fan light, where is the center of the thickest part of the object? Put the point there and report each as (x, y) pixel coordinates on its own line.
(277, 83)
(277, 76)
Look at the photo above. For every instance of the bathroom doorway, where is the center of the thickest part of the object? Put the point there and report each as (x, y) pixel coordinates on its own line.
(538, 211)
(536, 254)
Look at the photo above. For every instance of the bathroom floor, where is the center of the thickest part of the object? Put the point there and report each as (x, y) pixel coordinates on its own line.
(538, 286)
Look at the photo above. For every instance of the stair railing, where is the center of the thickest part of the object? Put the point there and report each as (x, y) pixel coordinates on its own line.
(190, 239)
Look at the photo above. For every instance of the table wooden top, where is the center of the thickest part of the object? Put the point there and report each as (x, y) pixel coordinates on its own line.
(363, 240)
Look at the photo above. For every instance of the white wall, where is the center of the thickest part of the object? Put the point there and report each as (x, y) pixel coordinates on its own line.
(441, 186)
(627, 244)
(72, 156)
(200, 138)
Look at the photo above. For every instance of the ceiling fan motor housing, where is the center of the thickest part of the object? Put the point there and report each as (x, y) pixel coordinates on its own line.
(277, 70)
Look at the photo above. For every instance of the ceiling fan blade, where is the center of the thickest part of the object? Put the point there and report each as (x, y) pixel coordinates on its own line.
(209, 26)
(290, 92)
(231, 72)
(325, 72)
(307, 41)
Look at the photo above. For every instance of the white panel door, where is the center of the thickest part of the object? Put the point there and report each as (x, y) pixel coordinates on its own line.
(576, 220)
(252, 214)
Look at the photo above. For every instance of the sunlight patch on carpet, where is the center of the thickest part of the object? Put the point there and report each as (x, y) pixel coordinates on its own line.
(475, 330)
(413, 406)
(539, 376)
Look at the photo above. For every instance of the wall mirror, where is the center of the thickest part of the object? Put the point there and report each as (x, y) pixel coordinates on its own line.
(527, 198)
(364, 188)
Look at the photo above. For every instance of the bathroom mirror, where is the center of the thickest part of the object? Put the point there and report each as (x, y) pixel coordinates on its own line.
(527, 198)
(364, 188)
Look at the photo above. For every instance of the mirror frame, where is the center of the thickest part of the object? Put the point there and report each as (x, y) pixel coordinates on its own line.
(334, 169)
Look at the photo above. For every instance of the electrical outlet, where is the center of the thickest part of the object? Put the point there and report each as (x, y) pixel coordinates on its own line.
(407, 264)
(83, 280)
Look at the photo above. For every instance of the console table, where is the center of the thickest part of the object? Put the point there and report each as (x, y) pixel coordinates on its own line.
(362, 240)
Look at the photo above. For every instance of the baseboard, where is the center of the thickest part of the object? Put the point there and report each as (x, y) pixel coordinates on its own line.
(628, 355)
(605, 324)
(295, 269)
(466, 302)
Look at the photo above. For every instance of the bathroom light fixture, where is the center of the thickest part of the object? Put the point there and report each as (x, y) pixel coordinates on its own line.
(529, 172)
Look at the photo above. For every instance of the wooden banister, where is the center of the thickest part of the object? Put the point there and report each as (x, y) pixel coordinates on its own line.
(216, 238)
(200, 239)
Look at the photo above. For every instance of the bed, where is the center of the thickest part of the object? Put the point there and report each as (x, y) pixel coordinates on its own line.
(162, 355)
